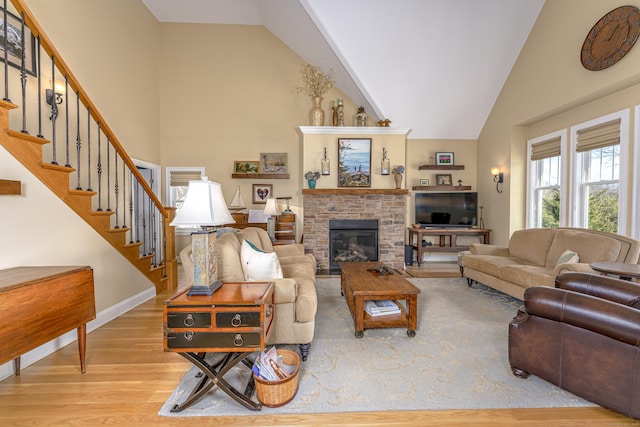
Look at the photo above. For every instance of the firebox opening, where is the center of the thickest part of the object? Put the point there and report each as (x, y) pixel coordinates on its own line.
(352, 240)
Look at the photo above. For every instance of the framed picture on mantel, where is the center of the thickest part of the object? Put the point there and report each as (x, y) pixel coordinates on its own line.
(445, 159)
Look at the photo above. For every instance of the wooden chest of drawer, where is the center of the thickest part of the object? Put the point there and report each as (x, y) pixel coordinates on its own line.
(236, 318)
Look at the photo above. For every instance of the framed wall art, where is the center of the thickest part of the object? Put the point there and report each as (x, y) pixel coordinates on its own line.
(443, 179)
(273, 162)
(246, 166)
(261, 192)
(14, 43)
(354, 162)
(444, 159)
(424, 182)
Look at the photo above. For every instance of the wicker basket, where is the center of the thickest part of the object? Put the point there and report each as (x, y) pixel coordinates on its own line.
(278, 393)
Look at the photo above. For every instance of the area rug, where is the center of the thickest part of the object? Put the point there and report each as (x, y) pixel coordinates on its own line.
(457, 360)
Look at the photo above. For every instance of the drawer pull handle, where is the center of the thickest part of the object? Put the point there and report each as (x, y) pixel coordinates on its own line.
(189, 320)
(236, 321)
(188, 335)
(238, 340)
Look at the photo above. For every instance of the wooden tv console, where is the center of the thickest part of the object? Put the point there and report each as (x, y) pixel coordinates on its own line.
(447, 241)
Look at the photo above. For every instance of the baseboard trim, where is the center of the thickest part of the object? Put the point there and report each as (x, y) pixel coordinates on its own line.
(105, 316)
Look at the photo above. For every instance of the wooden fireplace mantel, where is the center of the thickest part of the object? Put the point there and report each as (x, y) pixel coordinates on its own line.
(354, 191)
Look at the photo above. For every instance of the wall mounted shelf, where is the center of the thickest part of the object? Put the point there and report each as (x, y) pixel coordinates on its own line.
(441, 167)
(260, 175)
(8, 187)
(442, 188)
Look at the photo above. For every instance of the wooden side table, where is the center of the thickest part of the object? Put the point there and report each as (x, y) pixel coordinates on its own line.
(447, 239)
(235, 320)
(622, 270)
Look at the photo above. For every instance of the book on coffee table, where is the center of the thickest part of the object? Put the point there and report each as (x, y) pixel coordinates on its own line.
(381, 307)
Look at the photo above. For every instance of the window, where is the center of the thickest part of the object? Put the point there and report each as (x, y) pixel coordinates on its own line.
(598, 194)
(545, 171)
(177, 185)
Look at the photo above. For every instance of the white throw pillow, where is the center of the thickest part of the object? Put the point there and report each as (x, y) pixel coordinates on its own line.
(568, 257)
(258, 264)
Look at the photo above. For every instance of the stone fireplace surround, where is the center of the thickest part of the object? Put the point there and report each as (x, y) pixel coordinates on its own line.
(388, 206)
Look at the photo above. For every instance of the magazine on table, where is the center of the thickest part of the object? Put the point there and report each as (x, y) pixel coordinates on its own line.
(381, 307)
(270, 367)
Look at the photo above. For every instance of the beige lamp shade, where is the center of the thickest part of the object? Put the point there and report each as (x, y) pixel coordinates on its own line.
(204, 205)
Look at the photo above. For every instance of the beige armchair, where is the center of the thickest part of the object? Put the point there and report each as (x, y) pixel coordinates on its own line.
(295, 294)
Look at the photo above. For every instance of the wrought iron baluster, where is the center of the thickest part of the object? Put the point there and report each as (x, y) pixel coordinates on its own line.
(89, 148)
(66, 118)
(124, 194)
(39, 70)
(78, 140)
(116, 189)
(52, 100)
(143, 214)
(132, 188)
(108, 174)
(23, 76)
(6, 59)
(99, 172)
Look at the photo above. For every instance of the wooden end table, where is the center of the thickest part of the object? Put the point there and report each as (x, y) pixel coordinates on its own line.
(360, 285)
(622, 270)
(235, 320)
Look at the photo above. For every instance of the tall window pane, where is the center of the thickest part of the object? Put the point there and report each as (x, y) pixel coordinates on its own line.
(602, 188)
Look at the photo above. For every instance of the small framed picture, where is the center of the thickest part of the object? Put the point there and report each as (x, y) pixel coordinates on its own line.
(246, 166)
(444, 159)
(273, 162)
(443, 179)
(424, 182)
(261, 192)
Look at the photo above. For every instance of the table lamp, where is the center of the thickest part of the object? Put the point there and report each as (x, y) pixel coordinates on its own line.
(271, 209)
(204, 206)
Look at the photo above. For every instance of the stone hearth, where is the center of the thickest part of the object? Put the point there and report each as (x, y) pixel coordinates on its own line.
(387, 206)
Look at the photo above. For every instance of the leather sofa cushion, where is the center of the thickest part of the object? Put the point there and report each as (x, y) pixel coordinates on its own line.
(533, 245)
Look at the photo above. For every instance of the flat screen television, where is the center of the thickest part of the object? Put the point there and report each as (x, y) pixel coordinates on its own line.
(446, 210)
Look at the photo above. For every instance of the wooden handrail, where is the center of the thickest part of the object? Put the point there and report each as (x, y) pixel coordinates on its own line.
(48, 47)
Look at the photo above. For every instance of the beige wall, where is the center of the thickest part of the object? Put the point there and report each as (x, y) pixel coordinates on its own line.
(228, 94)
(547, 80)
(36, 227)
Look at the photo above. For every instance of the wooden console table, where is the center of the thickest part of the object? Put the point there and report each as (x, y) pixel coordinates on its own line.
(38, 304)
(443, 233)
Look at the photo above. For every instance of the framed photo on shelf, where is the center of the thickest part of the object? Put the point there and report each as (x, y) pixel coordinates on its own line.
(273, 162)
(443, 179)
(14, 44)
(246, 166)
(444, 159)
(354, 162)
(424, 182)
(261, 192)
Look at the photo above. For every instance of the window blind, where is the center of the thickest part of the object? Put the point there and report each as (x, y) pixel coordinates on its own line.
(182, 178)
(603, 135)
(545, 149)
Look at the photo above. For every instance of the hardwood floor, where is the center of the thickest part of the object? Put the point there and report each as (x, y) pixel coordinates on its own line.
(129, 377)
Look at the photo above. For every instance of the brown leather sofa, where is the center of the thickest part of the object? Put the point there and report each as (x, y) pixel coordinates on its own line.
(583, 336)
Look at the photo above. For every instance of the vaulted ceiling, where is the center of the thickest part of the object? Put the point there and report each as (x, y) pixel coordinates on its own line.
(434, 66)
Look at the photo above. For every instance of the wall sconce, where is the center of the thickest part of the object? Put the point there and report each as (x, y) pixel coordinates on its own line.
(498, 178)
(385, 166)
(325, 166)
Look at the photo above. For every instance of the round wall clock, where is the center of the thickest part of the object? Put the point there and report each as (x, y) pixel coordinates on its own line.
(611, 38)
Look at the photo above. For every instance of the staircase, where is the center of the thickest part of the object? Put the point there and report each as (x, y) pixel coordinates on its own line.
(144, 236)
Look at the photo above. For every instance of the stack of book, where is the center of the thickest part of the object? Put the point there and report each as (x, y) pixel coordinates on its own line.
(381, 307)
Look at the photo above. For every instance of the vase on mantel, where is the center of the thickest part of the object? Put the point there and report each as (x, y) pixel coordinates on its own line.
(312, 183)
(317, 113)
(398, 178)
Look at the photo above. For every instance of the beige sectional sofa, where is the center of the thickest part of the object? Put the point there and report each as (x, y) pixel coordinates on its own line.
(532, 257)
(295, 293)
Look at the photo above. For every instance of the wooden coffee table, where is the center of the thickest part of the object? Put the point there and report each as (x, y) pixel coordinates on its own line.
(360, 285)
